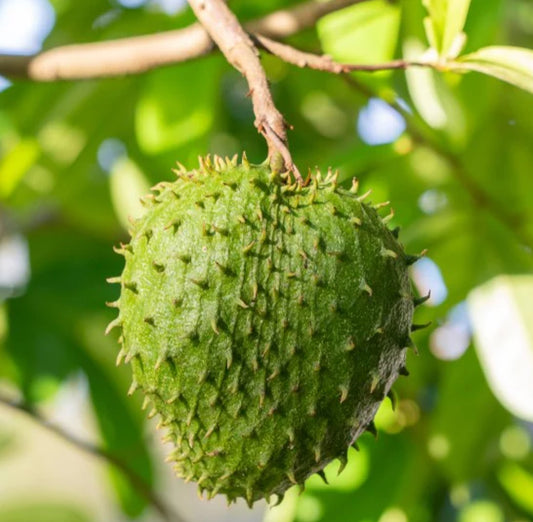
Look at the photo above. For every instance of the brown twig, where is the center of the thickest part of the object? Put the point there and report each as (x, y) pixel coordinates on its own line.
(119, 57)
(239, 49)
(325, 63)
(139, 54)
(135, 480)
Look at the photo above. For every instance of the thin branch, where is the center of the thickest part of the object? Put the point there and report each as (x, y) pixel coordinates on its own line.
(238, 48)
(119, 57)
(139, 54)
(136, 480)
(325, 63)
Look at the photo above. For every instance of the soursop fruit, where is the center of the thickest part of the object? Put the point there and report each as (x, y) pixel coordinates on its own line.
(263, 321)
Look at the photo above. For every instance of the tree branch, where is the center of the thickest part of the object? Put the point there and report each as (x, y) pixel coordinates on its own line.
(325, 63)
(238, 48)
(136, 480)
(120, 57)
(139, 54)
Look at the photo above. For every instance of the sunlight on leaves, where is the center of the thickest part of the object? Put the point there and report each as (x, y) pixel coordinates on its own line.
(352, 477)
(43, 512)
(432, 96)
(173, 110)
(61, 141)
(518, 483)
(515, 442)
(15, 164)
(286, 511)
(423, 92)
(127, 184)
(307, 507)
(502, 320)
(481, 511)
(363, 33)
(445, 24)
(393, 514)
(513, 65)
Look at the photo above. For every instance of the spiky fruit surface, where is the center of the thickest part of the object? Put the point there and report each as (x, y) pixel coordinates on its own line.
(264, 323)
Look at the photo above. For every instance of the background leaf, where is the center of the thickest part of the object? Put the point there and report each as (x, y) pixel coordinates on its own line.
(363, 33)
(128, 184)
(502, 318)
(513, 65)
(445, 25)
(44, 512)
(173, 110)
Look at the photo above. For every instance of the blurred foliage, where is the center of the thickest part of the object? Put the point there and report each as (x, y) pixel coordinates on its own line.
(42, 513)
(74, 157)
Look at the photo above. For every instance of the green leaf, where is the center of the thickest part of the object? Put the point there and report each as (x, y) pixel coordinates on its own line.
(467, 420)
(445, 24)
(518, 484)
(176, 106)
(66, 336)
(481, 511)
(121, 429)
(15, 164)
(432, 97)
(513, 65)
(502, 318)
(387, 466)
(128, 183)
(363, 33)
(43, 512)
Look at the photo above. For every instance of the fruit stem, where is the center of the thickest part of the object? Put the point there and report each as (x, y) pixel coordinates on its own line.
(240, 51)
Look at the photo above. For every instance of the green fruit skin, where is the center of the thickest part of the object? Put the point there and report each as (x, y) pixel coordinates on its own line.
(264, 322)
